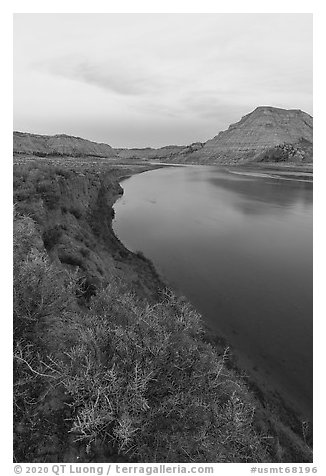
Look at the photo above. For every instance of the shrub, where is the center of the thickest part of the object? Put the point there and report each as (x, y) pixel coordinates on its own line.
(25, 236)
(141, 379)
(41, 289)
(49, 193)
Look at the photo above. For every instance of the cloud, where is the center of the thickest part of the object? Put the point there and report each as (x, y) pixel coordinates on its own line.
(204, 105)
(112, 75)
(173, 78)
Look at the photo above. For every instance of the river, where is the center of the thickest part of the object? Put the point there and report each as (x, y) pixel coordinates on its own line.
(239, 246)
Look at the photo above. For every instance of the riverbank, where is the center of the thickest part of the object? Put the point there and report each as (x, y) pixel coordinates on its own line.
(286, 400)
(72, 204)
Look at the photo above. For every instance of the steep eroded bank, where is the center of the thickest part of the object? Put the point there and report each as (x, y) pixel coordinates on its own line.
(71, 201)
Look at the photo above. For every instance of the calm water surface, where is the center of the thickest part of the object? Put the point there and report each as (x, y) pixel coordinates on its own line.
(240, 248)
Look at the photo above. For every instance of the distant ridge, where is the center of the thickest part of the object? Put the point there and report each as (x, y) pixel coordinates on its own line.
(59, 144)
(167, 152)
(267, 134)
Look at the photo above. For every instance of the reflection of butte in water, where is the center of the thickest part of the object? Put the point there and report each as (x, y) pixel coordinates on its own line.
(241, 249)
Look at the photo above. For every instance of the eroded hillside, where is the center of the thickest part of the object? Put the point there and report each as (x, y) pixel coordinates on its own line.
(59, 145)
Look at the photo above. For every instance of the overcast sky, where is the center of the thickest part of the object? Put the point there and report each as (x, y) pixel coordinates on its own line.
(137, 80)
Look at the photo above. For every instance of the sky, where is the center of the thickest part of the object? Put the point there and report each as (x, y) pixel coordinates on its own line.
(149, 80)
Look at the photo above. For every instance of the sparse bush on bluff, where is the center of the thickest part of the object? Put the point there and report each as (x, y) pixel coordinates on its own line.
(107, 365)
(118, 378)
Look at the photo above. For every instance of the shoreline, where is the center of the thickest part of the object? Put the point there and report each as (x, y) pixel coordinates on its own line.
(269, 395)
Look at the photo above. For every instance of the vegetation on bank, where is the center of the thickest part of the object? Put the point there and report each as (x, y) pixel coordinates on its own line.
(121, 375)
(111, 375)
(300, 153)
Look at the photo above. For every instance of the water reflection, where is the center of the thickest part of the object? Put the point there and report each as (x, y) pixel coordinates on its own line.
(265, 191)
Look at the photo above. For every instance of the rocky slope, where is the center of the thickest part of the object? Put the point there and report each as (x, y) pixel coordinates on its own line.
(60, 145)
(266, 134)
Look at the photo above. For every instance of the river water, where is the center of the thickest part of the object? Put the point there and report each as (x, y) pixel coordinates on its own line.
(240, 248)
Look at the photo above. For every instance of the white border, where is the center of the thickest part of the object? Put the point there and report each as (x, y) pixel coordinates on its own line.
(168, 6)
